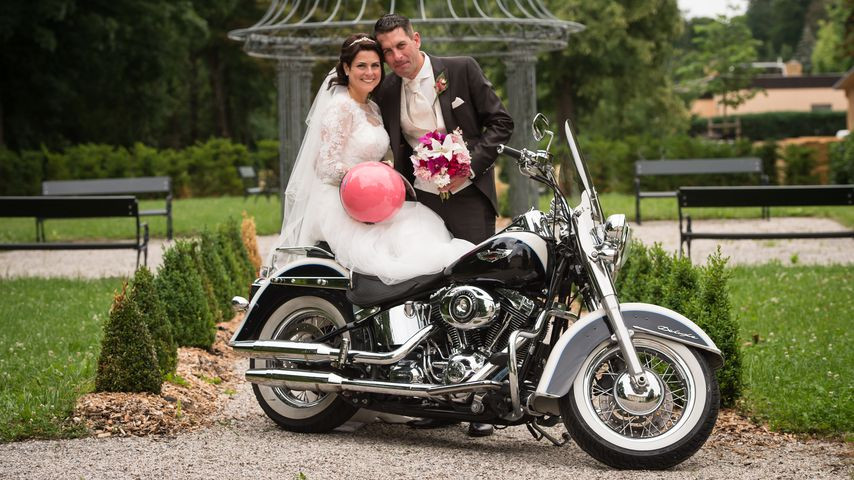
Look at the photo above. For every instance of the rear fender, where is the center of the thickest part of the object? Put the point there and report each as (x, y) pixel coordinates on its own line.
(589, 331)
(269, 296)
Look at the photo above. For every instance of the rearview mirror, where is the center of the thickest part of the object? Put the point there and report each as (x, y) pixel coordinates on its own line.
(540, 126)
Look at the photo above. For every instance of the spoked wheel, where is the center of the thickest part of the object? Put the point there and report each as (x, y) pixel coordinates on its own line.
(655, 431)
(302, 319)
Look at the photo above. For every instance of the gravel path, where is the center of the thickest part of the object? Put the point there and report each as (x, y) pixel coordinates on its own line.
(105, 263)
(245, 444)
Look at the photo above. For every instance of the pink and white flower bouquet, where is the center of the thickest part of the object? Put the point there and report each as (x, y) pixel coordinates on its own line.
(440, 158)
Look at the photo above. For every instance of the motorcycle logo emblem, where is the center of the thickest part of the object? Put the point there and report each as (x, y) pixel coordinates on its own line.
(493, 256)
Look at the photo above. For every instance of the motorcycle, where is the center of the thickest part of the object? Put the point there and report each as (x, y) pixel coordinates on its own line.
(524, 329)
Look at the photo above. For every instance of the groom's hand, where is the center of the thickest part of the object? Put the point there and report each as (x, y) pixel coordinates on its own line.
(455, 183)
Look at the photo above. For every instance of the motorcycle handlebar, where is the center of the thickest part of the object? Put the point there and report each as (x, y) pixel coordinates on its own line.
(510, 152)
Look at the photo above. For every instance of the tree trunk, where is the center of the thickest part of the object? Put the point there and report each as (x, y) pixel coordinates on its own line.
(217, 73)
(2, 133)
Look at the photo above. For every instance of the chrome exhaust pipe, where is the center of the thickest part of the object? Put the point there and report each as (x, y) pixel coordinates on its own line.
(308, 352)
(333, 383)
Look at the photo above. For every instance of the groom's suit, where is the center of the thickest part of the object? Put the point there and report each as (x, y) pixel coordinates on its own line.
(484, 122)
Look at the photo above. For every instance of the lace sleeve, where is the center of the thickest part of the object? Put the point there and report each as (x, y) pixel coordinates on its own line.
(335, 129)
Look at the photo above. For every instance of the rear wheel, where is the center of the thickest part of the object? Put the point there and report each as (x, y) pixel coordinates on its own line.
(654, 434)
(302, 319)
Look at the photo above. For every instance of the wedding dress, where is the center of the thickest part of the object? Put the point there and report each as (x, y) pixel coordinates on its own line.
(411, 243)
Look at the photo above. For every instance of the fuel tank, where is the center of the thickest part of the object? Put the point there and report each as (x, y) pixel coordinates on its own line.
(511, 259)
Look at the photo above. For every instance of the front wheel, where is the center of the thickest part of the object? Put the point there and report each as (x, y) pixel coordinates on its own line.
(677, 424)
(302, 319)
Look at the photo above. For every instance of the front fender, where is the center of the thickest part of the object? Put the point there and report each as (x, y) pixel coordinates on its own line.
(592, 329)
(269, 296)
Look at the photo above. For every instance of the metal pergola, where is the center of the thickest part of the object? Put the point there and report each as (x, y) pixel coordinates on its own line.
(299, 33)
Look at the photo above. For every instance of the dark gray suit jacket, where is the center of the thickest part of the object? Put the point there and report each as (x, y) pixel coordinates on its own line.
(482, 118)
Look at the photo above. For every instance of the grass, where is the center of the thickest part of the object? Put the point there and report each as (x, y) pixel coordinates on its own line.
(49, 348)
(666, 209)
(799, 376)
(190, 217)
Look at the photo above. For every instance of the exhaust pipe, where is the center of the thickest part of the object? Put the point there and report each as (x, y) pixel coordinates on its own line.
(333, 383)
(299, 351)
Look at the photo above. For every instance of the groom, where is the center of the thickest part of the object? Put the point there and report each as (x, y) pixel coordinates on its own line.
(429, 93)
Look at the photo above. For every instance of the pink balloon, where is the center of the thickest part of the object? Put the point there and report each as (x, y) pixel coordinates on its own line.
(372, 192)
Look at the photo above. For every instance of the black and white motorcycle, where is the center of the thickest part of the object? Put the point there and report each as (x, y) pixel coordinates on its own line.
(524, 329)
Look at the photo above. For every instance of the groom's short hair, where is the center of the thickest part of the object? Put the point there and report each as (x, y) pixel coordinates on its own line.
(391, 21)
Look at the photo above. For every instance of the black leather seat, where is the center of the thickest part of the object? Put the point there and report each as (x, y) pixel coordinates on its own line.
(367, 290)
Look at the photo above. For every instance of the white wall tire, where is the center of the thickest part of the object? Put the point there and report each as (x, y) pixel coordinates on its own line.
(306, 412)
(662, 439)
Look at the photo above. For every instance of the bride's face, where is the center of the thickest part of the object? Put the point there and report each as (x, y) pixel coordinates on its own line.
(365, 71)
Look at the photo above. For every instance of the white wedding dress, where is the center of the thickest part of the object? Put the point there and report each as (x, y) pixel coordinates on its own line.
(411, 243)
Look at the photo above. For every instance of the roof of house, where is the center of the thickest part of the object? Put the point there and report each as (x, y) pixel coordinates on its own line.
(807, 81)
(846, 82)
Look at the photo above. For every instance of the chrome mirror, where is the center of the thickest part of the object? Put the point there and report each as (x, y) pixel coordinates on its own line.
(540, 126)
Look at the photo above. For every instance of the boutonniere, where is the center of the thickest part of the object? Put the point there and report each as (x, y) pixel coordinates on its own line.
(441, 84)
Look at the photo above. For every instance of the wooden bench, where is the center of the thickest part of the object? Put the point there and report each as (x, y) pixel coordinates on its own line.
(696, 166)
(771, 196)
(76, 207)
(117, 186)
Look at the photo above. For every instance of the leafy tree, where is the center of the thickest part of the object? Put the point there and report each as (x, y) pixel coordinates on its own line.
(778, 25)
(834, 47)
(128, 362)
(144, 295)
(721, 60)
(612, 79)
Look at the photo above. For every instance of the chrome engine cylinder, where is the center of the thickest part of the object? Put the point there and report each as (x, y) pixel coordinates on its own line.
(466, 307)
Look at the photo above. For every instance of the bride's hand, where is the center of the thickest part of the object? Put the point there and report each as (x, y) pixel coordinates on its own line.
(455, 183)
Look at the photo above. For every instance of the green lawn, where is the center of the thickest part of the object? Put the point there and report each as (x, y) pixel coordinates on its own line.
(190, 216)
(800, 376)
(49, 347)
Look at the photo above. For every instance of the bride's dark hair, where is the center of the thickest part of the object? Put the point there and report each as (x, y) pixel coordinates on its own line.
(352, 46)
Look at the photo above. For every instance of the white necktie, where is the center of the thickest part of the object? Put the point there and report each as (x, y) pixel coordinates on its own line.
(420, 111)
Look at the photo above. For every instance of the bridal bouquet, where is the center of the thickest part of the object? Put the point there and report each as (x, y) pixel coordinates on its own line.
(441, 157)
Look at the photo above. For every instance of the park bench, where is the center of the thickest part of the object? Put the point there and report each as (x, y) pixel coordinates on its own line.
(760, 196)
(76, 207)
(695, 166)
(117, 186)
(251, 185)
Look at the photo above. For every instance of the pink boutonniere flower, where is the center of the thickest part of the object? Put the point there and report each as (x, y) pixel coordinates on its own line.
(441, 83)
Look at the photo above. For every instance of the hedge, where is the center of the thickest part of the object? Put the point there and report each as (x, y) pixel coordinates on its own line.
(652, 275)
(204, 169)
(777, 125)
(841, 158)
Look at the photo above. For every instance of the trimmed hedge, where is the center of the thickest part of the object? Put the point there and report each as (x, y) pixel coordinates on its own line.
(842, 161)
(652, 275)
(127, 362)
(776, 125)
(144, 295)
(204, 169)
(180, 287)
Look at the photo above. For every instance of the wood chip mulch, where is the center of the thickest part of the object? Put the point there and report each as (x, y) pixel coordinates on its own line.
(210, 380)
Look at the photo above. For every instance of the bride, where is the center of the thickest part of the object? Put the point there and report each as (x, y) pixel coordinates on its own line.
(345, 129)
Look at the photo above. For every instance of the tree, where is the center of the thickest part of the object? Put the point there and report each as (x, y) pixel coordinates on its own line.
(778, 25)
(834, 47)
(612, 79)
(721, 60)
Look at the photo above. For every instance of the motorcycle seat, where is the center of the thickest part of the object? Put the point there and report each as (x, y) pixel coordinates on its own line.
(368, 291)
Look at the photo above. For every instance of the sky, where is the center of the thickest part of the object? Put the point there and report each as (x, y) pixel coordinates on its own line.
(710, 8)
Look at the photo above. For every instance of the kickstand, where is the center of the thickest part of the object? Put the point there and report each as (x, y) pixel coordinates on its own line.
(538, 433)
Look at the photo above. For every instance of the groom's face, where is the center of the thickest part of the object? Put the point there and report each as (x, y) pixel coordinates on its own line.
(402, 53)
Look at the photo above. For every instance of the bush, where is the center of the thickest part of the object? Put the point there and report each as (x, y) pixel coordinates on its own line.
(207, 284)
(144, 295)
(243, 271)
(800, 165)
(20, 174)
(128, 362)
(250, 242)
(213, 167)
(215, 271)
(651, 275)
(180, 287)
(776, 125)
(842, 161)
